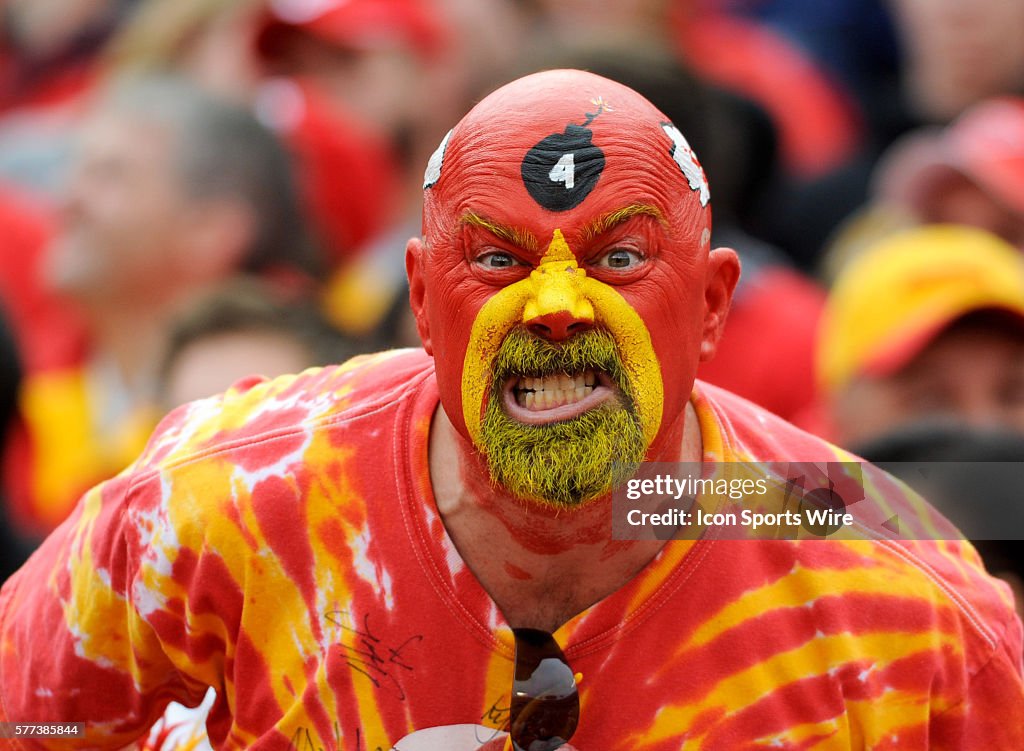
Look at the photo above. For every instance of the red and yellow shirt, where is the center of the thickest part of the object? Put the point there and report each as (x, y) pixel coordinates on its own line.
(281, 543)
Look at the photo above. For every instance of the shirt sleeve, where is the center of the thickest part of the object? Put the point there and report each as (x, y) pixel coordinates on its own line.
(76, 644)
(991, 715)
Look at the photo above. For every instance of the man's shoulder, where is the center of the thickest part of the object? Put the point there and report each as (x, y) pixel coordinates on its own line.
(751, 432)
(900, 537)
(256, 410)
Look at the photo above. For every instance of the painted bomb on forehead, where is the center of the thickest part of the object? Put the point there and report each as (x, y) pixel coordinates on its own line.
(562, 170)
(598, 133)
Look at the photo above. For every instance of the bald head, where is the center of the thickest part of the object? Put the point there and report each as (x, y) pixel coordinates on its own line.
(562, 142)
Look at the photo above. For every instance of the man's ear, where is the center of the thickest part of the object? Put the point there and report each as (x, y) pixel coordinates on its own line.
(723, 271)
(414, 251)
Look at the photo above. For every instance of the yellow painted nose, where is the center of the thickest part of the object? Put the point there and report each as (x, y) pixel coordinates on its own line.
(557, 307)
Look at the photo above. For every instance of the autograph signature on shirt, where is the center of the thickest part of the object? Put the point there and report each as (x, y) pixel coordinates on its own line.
(498, 714)
(302, 740)
(379, 659)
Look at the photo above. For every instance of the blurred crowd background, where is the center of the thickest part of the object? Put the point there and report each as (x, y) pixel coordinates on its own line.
(193, 191)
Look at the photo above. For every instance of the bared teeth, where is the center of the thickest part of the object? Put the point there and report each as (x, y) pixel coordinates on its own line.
(547, 392)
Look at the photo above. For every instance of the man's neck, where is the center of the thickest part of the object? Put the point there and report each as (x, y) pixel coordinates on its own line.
(131, 341)
(541, 566)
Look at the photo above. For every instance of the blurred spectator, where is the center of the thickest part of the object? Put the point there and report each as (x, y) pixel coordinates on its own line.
(366, 53)
(242, 329)
(346, 168)
(971, 172)
(814, 115)
(962, 482)
(172, 192)
(926, 322)
(42, 36)
(49, 333)
(627, 22)
(48, 54)
(957, 53)
(854, 41)
(348, 173)
(208, 41)
(952, 55)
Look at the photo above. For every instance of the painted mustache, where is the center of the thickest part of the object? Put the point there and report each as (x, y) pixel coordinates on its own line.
(544, 375)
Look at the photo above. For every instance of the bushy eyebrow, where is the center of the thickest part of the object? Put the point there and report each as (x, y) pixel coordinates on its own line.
(521, 238)
(614, 218)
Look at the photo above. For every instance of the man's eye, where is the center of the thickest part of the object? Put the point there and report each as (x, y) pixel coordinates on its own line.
(620, 259)
(498, 260)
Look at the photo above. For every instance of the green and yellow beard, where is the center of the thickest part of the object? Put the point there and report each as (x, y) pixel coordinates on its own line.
(568, 463)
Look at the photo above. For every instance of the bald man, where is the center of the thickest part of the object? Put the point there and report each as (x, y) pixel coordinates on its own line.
(413, 550)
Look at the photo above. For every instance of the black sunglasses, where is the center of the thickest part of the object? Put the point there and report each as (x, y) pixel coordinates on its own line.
(545, 703)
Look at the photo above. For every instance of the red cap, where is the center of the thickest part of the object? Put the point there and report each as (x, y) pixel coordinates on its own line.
(985, 144)
(354, 24)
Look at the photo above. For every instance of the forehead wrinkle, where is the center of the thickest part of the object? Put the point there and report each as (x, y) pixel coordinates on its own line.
(612, 219)
(521, 238)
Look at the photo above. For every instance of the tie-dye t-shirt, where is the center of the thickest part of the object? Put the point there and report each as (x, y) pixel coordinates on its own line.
(281, 543)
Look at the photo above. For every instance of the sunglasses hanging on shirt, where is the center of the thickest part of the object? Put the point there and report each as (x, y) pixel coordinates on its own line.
(545, 702)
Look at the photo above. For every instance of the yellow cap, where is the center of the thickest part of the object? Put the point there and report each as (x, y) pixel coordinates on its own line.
(896, 296)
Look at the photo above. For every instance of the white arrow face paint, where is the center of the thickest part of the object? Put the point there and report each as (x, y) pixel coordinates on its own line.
(433, 172)
(687, 161)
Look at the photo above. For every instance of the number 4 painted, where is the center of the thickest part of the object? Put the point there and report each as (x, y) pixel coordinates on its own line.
(564, 171)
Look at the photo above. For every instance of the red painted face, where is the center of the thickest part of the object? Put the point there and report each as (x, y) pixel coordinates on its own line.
(563, 203)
